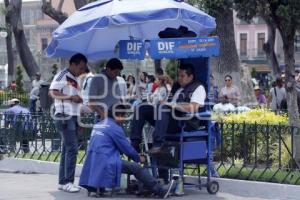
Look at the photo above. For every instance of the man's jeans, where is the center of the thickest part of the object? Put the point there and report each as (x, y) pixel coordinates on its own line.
(68, 131)
(143, 175)
(32, 105)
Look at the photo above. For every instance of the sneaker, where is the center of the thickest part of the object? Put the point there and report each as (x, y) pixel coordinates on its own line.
(60, 187)
(170, 188)
(155, 150)
(69, 187)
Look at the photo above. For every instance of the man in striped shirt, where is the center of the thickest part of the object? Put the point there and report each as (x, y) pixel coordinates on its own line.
(65, 91)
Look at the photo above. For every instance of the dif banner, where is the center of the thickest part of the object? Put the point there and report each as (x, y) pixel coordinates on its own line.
(132, 49)
(184, 47)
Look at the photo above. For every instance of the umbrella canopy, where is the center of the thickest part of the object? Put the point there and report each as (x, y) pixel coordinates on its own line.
(96, 28)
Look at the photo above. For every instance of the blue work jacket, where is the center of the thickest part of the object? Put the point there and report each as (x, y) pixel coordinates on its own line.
(102, 167)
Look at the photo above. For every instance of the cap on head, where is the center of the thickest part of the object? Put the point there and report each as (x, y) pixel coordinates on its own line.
(13, 101)
(256, 87)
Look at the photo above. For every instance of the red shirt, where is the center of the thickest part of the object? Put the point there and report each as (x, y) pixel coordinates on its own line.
(154, 86)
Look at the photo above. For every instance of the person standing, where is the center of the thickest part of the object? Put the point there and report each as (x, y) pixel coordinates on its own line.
(260, 97)
(105, 89)
(35, 91)
(64, 89)
(277, 95)
(230, 93)
(11, 115)
(37, 81)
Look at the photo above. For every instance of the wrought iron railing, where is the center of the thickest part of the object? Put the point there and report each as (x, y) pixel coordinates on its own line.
(5, 96)
(261, 152)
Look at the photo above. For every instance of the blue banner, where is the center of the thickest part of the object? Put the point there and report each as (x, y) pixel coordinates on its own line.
(132, 49)
(184, 47)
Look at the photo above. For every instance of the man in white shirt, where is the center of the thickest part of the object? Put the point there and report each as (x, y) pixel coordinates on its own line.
(123, 87)
(65, 91)
(188, 98)
(34, 93)
(37, 81)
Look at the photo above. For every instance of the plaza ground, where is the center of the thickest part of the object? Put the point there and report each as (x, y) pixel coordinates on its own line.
(19, 186)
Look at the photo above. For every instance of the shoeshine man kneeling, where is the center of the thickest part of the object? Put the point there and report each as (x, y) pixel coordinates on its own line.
(103, 165)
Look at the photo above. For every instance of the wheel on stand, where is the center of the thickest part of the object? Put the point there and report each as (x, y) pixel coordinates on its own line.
(212, 187)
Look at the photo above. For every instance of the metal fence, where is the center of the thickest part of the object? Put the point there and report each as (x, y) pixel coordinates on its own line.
(248, 151)
(5, 96)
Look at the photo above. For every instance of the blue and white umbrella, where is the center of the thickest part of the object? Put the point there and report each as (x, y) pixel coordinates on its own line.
(96, 28)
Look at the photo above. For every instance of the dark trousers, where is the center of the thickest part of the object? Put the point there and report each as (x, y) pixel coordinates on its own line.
(32, 105)
(143, 175)
(68, 131)
(158, 116)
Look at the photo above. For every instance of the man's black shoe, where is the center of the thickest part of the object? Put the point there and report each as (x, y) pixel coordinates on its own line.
(156, 150)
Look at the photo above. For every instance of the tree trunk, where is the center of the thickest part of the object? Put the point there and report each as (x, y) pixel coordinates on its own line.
(289, 59)
(9, 46)
(56, 15)
(269, 49)
(229, 61)
(25, 54)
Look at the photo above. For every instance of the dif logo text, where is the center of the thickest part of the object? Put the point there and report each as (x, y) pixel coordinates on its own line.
(165, 47)
(135, 48)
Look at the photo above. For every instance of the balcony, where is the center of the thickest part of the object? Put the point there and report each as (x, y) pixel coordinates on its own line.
(251, 54)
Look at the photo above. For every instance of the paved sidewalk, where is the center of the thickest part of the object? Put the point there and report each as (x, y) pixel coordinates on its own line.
(16, 186)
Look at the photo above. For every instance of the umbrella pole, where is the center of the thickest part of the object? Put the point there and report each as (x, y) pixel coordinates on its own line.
(137, 75)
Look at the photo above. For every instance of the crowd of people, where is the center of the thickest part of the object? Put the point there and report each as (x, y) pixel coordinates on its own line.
(155, 99)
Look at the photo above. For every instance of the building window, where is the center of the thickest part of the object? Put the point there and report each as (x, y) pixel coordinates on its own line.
(243, 44)
(44, 43)
(260, 44)
(297, 43)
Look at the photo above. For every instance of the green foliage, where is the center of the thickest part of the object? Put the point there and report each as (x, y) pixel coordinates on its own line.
(253, 72)
(5, 96)
(286, 159)
(254, 116)
(213, 7)
(254, 135)
(284, 14)
(171, 69)
(19, 79)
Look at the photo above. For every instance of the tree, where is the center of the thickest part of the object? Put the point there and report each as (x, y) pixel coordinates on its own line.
(56, 13)
(247, 11)
(14, 13)
(9, 45)
(285, 15)
(228, 62)
(19, 79)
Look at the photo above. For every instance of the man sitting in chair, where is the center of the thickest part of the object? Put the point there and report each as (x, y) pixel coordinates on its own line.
(189, 97)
